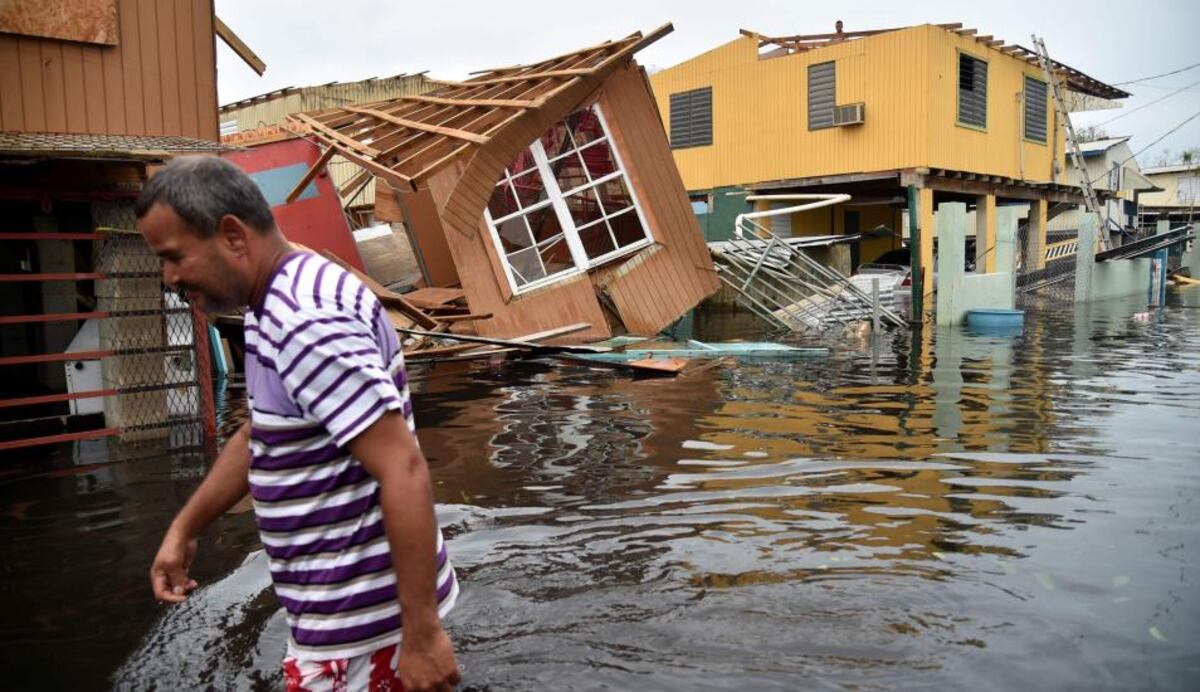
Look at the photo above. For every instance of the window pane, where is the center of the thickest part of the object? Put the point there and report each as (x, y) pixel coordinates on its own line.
(555, 140)
(585, 127)
(614, 196)
(530, 188)
(584, 208)
(599, 160)
(627, 228)
(502, 202)
(514, 235)
(526, 266)
(596, 241)
(543, 223)
(523, 162)
(568, 172)
(556, 255)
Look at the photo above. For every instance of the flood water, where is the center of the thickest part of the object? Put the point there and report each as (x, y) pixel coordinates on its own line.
(956, 511)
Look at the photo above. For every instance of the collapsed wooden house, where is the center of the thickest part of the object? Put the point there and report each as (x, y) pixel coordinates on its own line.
(547, 191)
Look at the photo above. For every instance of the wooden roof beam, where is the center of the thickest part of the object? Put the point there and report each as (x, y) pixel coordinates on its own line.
(424, 127)
(238, 46)
(493, 103)
(333, 136)
(377, 169)
(549, 74)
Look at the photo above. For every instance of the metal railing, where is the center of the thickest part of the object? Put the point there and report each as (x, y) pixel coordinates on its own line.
(783, 285)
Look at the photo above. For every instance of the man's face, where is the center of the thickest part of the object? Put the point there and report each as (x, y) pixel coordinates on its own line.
(204, 268)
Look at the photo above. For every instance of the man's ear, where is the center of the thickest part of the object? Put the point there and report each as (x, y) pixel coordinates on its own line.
(232, 234)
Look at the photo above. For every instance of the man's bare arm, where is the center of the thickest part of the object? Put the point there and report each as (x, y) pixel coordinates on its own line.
(389, 452)
(226, 483)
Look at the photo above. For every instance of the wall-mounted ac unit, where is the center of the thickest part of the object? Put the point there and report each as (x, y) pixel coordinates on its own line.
(852, 114)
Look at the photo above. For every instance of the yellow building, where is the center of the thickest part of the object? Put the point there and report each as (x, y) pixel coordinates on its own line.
(1177, 196)
(952, 114)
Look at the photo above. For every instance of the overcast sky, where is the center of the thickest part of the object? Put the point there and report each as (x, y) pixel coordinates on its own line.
(308, 42)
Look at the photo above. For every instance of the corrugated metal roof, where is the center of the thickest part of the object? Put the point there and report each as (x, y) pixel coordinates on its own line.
(1101, 144)
(135, 147)
(279, 93)
(1177, 168)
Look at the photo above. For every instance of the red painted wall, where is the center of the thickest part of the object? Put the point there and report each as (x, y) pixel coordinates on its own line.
(315, 219)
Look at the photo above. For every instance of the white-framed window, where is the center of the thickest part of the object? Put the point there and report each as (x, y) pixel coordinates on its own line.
(565, 205)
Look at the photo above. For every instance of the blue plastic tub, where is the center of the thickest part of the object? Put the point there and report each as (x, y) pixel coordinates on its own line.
(995, 318)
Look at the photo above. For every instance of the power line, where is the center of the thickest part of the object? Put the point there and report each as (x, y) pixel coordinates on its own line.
(1165, 74)
(1147, 105)
(1171, 131)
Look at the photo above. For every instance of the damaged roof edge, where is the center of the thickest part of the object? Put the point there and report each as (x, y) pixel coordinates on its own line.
(1076, 79)
(408, 138)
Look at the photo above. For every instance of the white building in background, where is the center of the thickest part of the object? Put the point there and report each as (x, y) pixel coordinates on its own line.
(1177, 196)
(1112, 169)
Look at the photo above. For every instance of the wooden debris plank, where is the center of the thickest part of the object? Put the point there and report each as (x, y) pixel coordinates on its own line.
(238, 46)
(464, 318)
(528, 341)
(388, 298)
(312, 173)
(425, 353)
(432, 298)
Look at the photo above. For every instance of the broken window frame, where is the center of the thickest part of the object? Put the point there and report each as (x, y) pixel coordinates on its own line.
(558, 201)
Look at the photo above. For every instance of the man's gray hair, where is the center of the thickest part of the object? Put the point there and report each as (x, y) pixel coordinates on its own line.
(203, 189)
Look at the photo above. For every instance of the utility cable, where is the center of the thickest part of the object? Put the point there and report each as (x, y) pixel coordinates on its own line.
(1165, 74)
(1147, 105)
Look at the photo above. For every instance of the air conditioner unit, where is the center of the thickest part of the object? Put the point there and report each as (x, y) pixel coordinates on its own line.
(852, 114)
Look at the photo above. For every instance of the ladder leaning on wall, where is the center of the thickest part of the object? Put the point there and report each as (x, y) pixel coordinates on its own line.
(1076, 156)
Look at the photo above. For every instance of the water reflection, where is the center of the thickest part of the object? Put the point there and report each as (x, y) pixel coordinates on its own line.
(955, 509)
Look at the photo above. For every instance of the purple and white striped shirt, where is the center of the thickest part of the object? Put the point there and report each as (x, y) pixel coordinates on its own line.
(322, 364)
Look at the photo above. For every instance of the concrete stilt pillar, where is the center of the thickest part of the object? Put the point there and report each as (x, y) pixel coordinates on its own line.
(1035, 237)
(928, 233)
(985, 234)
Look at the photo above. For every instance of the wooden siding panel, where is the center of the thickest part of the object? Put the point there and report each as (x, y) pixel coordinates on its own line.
(114, 88)
(74, 88)
(656, 286)
(12, 117)
(168, 65)
(185, 43)
(145, 84)
(93, 91)
(642, 302)
(53, 85)
(131, 67)
(205, 86)
(32, 90)
(151, 69)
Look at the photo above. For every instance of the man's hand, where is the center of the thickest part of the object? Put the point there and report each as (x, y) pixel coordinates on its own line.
(169, 574)
(226, 483)
(427, 662)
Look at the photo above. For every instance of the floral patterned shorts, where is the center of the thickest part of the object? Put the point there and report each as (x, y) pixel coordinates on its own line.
(373, 672)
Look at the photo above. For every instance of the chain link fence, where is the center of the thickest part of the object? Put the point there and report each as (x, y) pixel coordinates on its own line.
(158, 367)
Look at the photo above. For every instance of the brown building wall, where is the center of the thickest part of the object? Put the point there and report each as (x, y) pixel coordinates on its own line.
(160, 78)
(655, 287)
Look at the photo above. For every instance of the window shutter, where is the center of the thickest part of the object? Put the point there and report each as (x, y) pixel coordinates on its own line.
(822, 83)
(972, 90)
(691, 118)
(1035, 109)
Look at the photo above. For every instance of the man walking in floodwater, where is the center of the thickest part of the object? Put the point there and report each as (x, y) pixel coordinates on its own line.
(341, 491)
